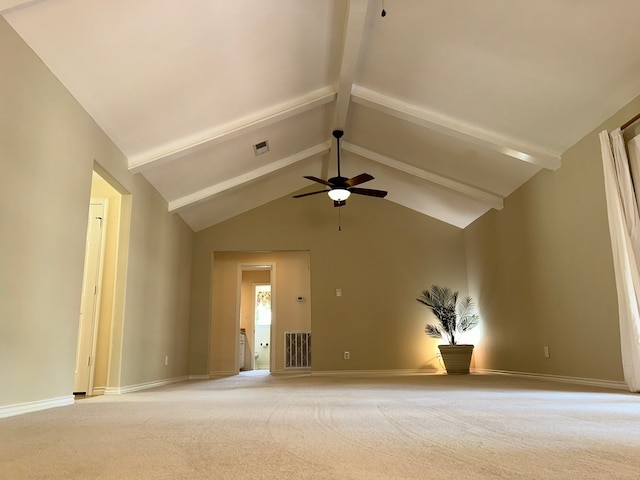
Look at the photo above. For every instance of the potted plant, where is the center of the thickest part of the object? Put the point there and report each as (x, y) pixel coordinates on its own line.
(454, 317)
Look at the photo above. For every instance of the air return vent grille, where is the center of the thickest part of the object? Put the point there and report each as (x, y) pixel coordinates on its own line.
(297, 349)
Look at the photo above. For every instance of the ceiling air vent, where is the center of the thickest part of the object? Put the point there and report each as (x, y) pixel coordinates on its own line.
(261, 147)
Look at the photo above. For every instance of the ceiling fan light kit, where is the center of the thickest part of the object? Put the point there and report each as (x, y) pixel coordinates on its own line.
(341, 188)
(339, 194)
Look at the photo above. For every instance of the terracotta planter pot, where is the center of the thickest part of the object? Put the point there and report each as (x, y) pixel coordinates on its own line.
(456, 358)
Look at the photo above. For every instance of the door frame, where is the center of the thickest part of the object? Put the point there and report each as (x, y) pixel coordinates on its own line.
(242, 267)
(95, 321)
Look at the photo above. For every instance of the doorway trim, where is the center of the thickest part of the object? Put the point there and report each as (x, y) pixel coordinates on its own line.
(120, 266)
(243, 267)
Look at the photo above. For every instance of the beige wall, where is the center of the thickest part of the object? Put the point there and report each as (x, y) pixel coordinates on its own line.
(542, 271)
(382, 259)
(158, 291)
(48, 146)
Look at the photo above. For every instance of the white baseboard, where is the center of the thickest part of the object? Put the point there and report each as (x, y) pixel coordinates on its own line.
(143, 386)
(591, 382)
(373, 373)
(20, 408)
(291, 372)
(97, 391)
(221, 374)
(198, 377)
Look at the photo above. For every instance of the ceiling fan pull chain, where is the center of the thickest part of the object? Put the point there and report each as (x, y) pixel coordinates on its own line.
(339, 221)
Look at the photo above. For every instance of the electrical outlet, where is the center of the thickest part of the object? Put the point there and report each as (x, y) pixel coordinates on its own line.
(347, 355)
(338, 292)
(546, 352)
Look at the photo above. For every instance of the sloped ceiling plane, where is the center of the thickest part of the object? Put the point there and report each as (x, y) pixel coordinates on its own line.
(224, 105)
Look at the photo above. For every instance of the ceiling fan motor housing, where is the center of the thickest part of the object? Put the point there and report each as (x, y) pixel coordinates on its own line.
(338, 182)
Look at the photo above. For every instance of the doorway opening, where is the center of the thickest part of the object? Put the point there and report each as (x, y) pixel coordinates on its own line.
(231, 306)
(98, 356)
(256, 317)
(262, 325)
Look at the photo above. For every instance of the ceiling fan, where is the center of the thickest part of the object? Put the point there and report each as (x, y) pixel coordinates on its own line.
(340, 188)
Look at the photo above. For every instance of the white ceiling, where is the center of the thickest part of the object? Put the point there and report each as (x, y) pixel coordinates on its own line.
(450, 104)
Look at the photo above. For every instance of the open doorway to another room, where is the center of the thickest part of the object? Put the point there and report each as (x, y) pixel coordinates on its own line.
(102, 305)
(231, 309)
(262, 325)
(256, 318)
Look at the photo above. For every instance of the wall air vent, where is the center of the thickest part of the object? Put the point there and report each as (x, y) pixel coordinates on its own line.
(261, 147)
(297, 349)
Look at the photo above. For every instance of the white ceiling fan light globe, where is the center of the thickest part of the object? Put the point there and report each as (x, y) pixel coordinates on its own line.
(339, 194)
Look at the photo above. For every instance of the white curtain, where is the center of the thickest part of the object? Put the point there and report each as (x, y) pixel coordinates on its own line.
(621, 172)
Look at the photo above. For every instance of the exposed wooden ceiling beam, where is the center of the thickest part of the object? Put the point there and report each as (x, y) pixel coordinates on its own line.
(253, 175)
(231, 130)
(468, 133)
(353, 37)
(487, 198)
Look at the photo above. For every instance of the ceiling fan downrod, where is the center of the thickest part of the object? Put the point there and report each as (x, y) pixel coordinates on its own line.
(338, 135)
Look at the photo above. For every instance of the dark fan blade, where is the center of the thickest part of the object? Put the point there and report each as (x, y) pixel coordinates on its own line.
(340, 203)
(369, 192)
(319, 180)
(312, 193)
(363, 177)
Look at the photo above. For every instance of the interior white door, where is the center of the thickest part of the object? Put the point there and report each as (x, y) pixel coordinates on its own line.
(89, 305)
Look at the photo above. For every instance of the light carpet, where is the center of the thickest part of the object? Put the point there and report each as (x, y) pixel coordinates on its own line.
(254, 426)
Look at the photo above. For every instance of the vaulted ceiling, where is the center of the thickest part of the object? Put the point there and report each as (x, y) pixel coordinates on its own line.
(450, 104)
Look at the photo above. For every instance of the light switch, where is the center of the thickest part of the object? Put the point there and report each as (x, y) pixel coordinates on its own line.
(338, 292)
